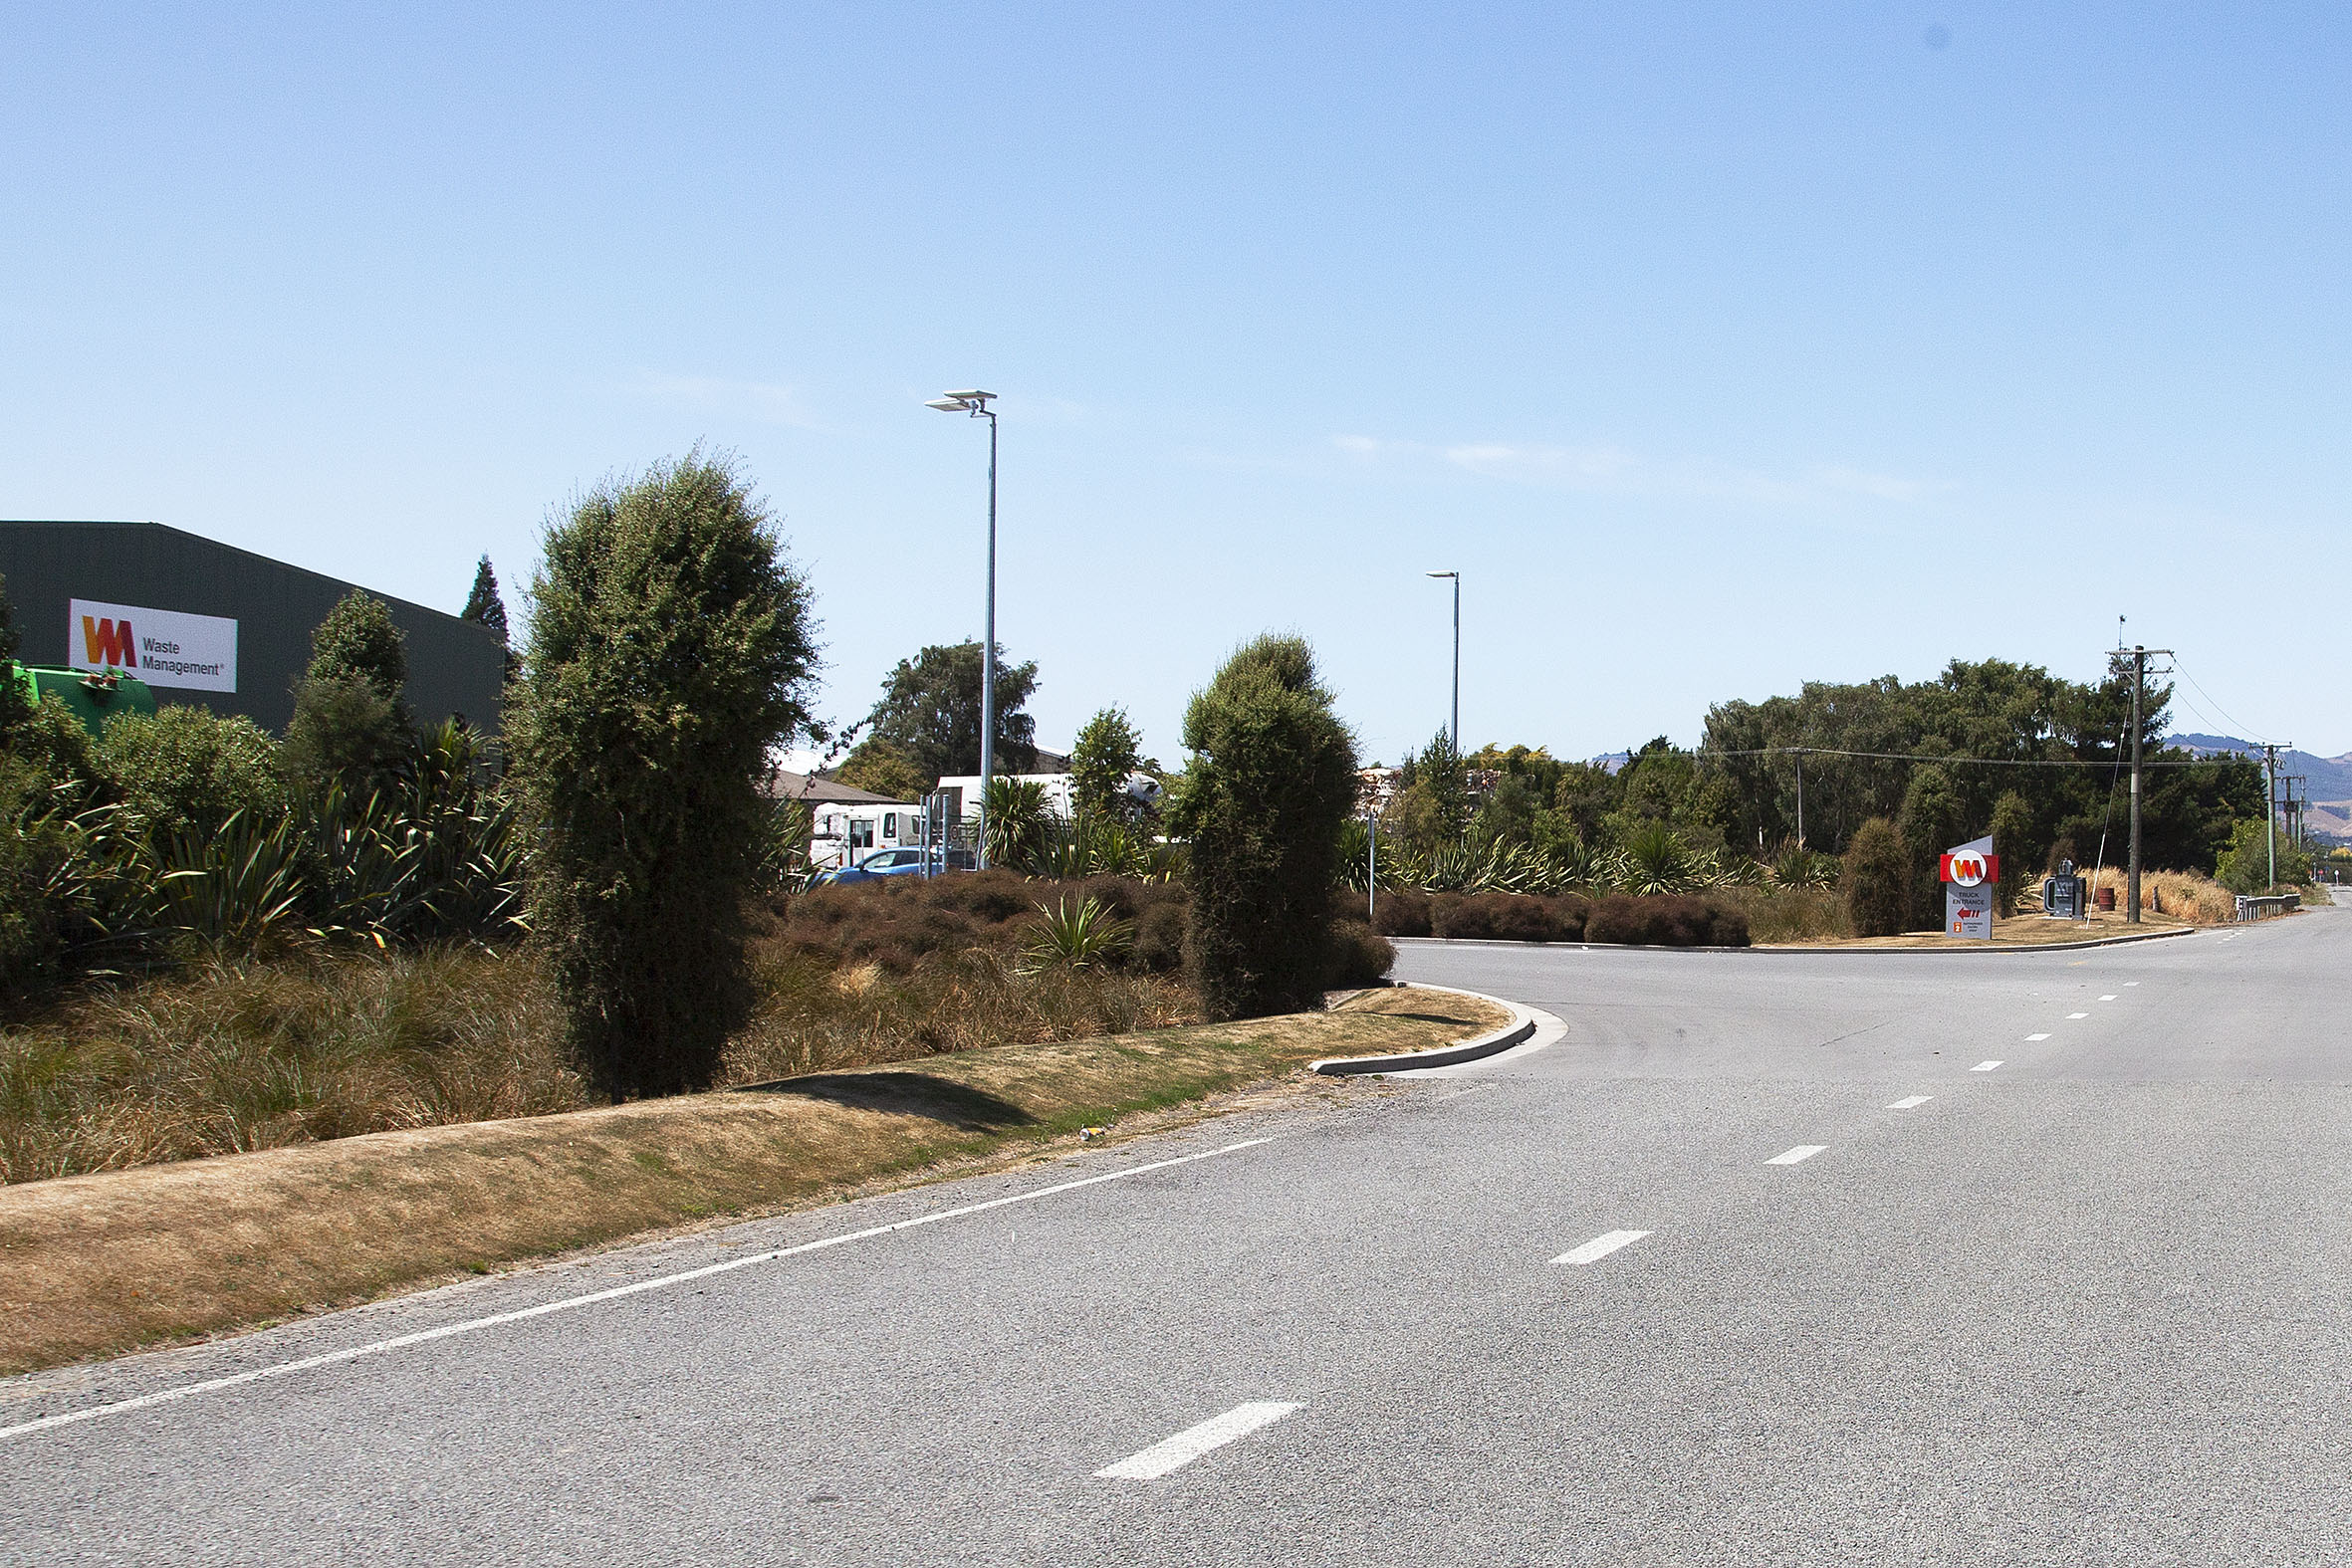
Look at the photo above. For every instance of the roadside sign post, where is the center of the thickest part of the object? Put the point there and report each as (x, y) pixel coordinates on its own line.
(1972, 877)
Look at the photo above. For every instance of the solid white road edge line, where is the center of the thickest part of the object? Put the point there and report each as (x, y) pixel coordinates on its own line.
(1190, 1443)
(1983, 1066)
(1910, 1101)
(2030, 1039)
(1599, 1247)
(636, 1287)
(1798, 1155)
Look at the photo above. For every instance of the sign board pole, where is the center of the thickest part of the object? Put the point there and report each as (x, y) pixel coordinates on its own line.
(1971, 879)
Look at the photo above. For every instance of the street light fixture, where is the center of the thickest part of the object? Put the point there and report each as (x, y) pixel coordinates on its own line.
(1455, 733)
(974, 402)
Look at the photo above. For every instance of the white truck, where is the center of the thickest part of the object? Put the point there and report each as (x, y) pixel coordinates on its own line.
(1142, 787)
(844, 834)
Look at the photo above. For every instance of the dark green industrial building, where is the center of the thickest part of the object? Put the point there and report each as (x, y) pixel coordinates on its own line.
(207, 623)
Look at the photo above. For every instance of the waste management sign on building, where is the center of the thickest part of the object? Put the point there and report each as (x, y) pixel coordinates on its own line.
(161, 648)
(1971, 874)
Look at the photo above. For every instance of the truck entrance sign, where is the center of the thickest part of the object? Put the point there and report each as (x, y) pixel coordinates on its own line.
(1971, 874)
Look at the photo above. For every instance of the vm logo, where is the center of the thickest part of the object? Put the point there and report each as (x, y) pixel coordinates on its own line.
(108, 642)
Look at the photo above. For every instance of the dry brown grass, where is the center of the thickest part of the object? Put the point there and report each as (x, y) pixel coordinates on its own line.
(316, 1046)
(2183, 895)
(1789, 913)
(814, 1017)
(259, 1055)
(95, 1264)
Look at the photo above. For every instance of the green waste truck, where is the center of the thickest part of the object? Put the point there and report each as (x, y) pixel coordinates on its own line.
(94, 695)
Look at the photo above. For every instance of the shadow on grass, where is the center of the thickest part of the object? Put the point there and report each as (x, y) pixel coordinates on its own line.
(907, 1094)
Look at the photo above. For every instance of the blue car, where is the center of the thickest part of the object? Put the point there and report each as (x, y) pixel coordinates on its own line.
(893, 862)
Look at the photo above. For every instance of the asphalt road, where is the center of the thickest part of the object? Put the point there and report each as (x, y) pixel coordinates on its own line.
(2090, 1305)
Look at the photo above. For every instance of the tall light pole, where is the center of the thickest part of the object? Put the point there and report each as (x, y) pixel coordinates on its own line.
(974, 402)
(1454, 734)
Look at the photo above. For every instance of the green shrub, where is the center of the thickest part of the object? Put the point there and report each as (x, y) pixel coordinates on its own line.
(1933, 819)
(2012, 831)
(188, 769)
(1877, 880)
(670, 652)
(2245, 864)
(351, 715)
(1359, 957)
(55, 746)
(32, 850)
(1272, 779)
(344, 730)
(14, 709)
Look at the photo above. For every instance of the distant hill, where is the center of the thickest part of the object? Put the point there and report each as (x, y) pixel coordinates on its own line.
(2326, 778)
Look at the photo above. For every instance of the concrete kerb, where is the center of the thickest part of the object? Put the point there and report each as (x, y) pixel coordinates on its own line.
(1531, 1028)
(1802, 949)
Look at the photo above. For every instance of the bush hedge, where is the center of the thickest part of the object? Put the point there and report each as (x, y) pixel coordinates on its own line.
(1667, 919)
(1655, 920)
(896, 923)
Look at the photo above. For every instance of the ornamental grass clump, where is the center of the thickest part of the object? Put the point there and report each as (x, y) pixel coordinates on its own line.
(241, 1056)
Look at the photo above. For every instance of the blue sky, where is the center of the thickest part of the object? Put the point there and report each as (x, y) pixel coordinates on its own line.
(1720, 347)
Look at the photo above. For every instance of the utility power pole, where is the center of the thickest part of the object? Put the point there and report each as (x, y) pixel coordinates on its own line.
(1800, 798)
(2271, 805)
(2139, 658)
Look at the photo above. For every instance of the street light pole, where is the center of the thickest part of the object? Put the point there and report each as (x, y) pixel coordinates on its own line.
(1454, 730)
(974, 403)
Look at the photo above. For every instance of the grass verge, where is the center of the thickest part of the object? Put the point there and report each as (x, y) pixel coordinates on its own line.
(98, 1264)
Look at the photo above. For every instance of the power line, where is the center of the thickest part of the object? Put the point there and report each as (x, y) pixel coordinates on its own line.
(2244, 732)
(1979, 761)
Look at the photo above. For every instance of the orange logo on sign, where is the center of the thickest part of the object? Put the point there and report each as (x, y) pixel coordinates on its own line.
(108, 642)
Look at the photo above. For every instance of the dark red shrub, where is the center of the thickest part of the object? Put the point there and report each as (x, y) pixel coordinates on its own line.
(1669, 919)
(1402, 912)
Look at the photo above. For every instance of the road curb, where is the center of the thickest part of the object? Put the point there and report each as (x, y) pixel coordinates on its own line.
(1795, 949)
(1518, 1031)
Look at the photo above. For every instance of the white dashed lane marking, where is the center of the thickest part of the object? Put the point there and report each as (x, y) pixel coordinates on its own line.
(2078, 1015)
(1599, 1247)
(1798, 1155)
(1193, 1441)
(1910, 1101)
(2032, 1037)
(2106, 998)
(1985, 1067)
